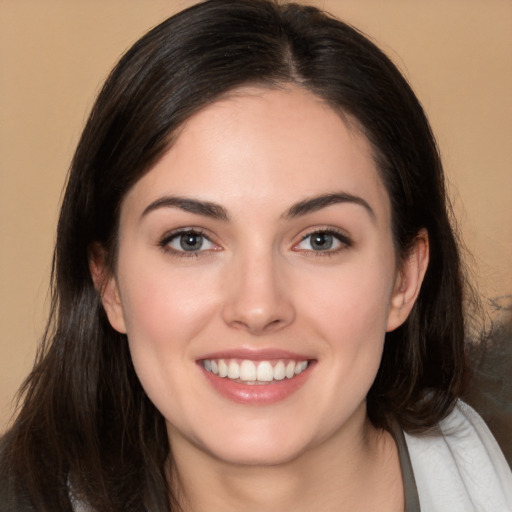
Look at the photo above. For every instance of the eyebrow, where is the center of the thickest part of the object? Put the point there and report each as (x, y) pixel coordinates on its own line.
(198, 207)
(215, 211)
(317, 203)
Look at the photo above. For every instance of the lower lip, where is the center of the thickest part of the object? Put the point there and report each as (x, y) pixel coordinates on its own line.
(257, 394)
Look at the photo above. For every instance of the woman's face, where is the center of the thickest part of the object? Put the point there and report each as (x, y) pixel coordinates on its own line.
(259, 246)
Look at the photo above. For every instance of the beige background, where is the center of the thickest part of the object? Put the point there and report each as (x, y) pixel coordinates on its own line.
(54, 55)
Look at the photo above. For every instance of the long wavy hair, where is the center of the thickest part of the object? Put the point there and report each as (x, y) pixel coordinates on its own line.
(86, 429)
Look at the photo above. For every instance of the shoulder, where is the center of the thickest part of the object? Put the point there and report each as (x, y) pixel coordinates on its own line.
(459, 466)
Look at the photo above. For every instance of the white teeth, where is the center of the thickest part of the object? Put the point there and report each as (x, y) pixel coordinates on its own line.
(254, 371)
(223, 368)
(264, 372)
(233, 370)
(300, 367)
(290, 369)
(279, 371)
(247, 370)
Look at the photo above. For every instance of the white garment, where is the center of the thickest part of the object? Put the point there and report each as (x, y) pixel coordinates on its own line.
(460, 468)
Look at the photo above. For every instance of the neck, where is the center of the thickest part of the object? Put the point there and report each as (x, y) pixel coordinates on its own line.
(334, 475)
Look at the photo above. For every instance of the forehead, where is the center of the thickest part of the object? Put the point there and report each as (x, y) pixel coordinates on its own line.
(257, 145)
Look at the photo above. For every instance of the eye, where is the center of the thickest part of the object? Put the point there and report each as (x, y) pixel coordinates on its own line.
(328, 241)
(189, 241)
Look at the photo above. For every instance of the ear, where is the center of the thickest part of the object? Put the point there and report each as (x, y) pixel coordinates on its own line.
(408, 281)
(106, 285)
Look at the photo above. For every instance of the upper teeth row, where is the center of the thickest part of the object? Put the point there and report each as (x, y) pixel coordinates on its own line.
(248, 370)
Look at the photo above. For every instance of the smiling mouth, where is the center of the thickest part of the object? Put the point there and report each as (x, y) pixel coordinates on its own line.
(255, 372)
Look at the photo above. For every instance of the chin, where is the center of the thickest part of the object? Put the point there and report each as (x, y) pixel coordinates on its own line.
(255, 447)
(260, 455)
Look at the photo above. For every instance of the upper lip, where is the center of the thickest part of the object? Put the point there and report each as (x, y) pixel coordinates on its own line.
(263, 354)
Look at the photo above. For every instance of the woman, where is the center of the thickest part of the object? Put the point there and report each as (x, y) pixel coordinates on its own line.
(257, 288)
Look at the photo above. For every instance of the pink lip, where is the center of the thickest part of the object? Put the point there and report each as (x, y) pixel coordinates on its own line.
(256, 394)
(256, 355)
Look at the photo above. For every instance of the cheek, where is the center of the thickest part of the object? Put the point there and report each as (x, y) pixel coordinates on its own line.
(349, 312)
(351, 303)
(164, 312)
(160, 302)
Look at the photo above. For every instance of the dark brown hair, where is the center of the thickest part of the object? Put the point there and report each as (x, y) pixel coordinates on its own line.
(86, 426)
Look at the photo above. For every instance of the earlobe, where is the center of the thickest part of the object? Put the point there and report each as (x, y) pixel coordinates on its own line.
(408, 282)
(112, 303)
(106, 285)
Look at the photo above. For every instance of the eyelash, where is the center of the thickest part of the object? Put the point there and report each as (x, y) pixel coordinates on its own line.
(340, 236)
(168, 238)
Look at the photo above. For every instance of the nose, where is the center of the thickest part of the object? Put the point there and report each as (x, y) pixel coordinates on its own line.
(256, 296)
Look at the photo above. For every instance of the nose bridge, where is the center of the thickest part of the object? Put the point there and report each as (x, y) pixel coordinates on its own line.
(256, 298)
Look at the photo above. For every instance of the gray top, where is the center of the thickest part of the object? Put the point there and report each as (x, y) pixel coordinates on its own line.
(412, 501)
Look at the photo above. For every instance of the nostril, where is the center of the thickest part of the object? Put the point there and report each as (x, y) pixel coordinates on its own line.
(258, 326)
(258, 309)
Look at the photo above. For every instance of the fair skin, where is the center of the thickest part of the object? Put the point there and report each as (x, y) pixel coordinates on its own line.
(264, 235)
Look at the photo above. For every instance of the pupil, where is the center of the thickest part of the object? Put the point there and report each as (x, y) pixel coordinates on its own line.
(321, 242)
(191, 241)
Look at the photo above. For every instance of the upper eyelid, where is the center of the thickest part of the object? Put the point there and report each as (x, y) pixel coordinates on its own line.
(343, 238)
(172, 234)
(164, 244)
(329, 230)
(180, 231)
(342, 234)
(332, 231)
